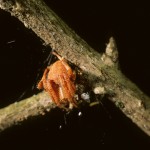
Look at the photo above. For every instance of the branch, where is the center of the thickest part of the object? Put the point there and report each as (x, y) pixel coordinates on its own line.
(102, 71)
(30, 107)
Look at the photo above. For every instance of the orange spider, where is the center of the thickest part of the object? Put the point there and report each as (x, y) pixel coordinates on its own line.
(58, 80)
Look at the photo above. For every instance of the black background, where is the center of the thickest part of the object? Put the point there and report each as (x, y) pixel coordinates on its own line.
(22, 59)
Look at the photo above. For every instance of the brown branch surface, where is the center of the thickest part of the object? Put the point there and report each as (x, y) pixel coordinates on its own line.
(102, 71)
(19, 111)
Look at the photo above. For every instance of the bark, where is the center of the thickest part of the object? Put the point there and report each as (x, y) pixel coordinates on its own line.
(27, 108)
(101, 70)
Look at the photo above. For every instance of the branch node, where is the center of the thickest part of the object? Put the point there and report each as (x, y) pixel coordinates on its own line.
(110, 57)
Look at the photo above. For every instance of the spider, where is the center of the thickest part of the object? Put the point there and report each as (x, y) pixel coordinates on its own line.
(59, 81)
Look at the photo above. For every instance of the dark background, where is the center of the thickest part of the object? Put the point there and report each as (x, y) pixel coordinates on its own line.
(23, 58)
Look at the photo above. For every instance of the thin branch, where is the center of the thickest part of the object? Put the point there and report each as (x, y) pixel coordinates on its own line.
(19, 111)
(101, 71)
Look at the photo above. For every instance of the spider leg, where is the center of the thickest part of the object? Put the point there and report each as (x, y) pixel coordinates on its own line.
(59, 57)
(70, 85)
(49, 86)
(53, 90)
(40, 84)
(68, 89)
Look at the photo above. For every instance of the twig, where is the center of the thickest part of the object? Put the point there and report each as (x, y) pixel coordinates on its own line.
(19, 111)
